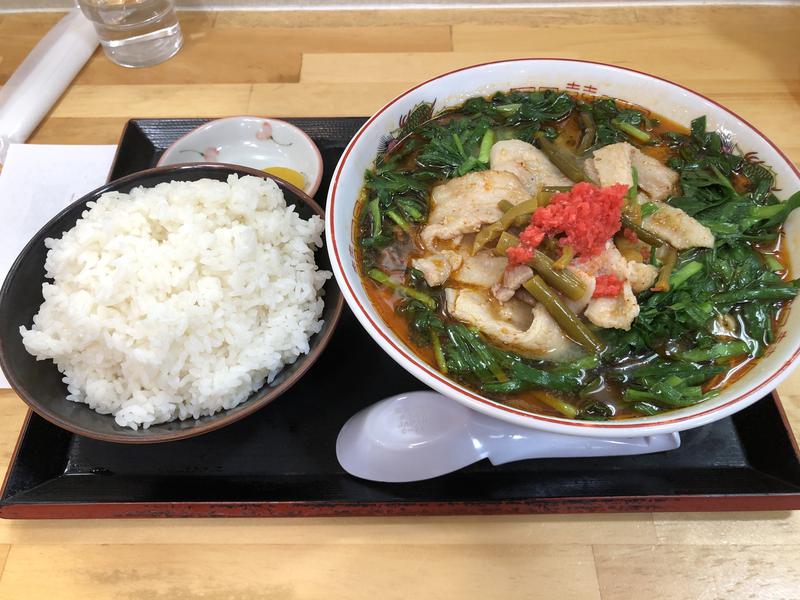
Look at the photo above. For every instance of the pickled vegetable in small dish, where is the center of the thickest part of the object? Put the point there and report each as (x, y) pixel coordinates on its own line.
(574, 257)
(271, 145)
(296, 178)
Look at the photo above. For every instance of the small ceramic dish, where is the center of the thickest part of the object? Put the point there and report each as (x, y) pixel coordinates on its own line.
(271, 145)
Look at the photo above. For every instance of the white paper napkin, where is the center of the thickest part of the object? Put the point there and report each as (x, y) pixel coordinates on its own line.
(43, 76)
(36, 182)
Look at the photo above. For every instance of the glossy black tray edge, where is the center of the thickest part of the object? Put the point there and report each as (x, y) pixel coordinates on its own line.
(745, 462)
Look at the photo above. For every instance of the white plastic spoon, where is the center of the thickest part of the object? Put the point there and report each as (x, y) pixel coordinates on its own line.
(421, 435)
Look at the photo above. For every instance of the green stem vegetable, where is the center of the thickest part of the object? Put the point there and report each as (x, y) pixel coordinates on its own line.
(630, 130)
(663, 394)
(647, 209)
(663, 281)
(563, 315)
(459, 144)
(567, 254)
(375, 213)
(504, 242)
(717, 351)
(556, 403)
(646, 236)
(508, 108)
(646, 408)
(493, 230)
(565, 281)
(688, 270)
(567, 162)
(589, 131)
(772, 263)
(505, 205)
(401, 222)
(467, 165)
(632, 209)
(437, 352)
(410, 292)
(785, 292)
(486, 146)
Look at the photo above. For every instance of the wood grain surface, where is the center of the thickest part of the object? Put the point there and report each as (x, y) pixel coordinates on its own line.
(350, 63)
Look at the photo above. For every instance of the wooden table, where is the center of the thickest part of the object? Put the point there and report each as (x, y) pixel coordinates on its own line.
(349, 63)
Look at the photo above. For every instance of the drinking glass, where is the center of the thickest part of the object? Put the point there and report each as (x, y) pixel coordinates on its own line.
(135, 33)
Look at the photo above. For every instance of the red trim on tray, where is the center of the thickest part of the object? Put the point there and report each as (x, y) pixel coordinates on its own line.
(427, 369)
(557, 505)
(564, 505)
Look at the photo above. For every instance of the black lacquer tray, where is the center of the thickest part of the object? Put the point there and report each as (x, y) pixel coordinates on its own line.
(281, 461)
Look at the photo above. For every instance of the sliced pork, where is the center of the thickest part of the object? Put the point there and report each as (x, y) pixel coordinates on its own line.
(614, 313)
(678, 228)
(613, 164)
(531, 331)
(463, 205)
(436, 268)
(513, 279)
(528, 163)
(482, 270)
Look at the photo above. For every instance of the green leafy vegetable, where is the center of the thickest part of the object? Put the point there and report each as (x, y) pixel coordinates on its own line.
(520, 108)
(614, 124)
(711, 308)
(595, 410)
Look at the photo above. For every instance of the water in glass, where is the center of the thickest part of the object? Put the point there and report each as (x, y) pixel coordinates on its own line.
(135, 33)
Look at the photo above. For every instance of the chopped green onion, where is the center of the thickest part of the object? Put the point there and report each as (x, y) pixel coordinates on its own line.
(688, 270)
(556, 403)
(653, 257)
(467, 165)
(634, 132)
(589, 131)
(486, 146)
(508, 108)
(375, 213)
(663, 281)
(719, 350)
(648, 208)
(401, 222)
(459, 144)
(437, 352)
(633, 190)
(772, 263)
(646, 408)
(410, 292)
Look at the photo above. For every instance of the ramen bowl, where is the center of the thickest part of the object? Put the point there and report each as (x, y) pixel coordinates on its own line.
(664, 98)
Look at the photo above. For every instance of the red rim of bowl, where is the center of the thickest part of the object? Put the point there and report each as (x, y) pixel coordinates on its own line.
(318, 155)
(781, 371)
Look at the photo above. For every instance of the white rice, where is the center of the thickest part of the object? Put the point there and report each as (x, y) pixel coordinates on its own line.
(179, 301)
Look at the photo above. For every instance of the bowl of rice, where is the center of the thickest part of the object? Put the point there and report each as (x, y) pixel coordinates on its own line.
(168, 303)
